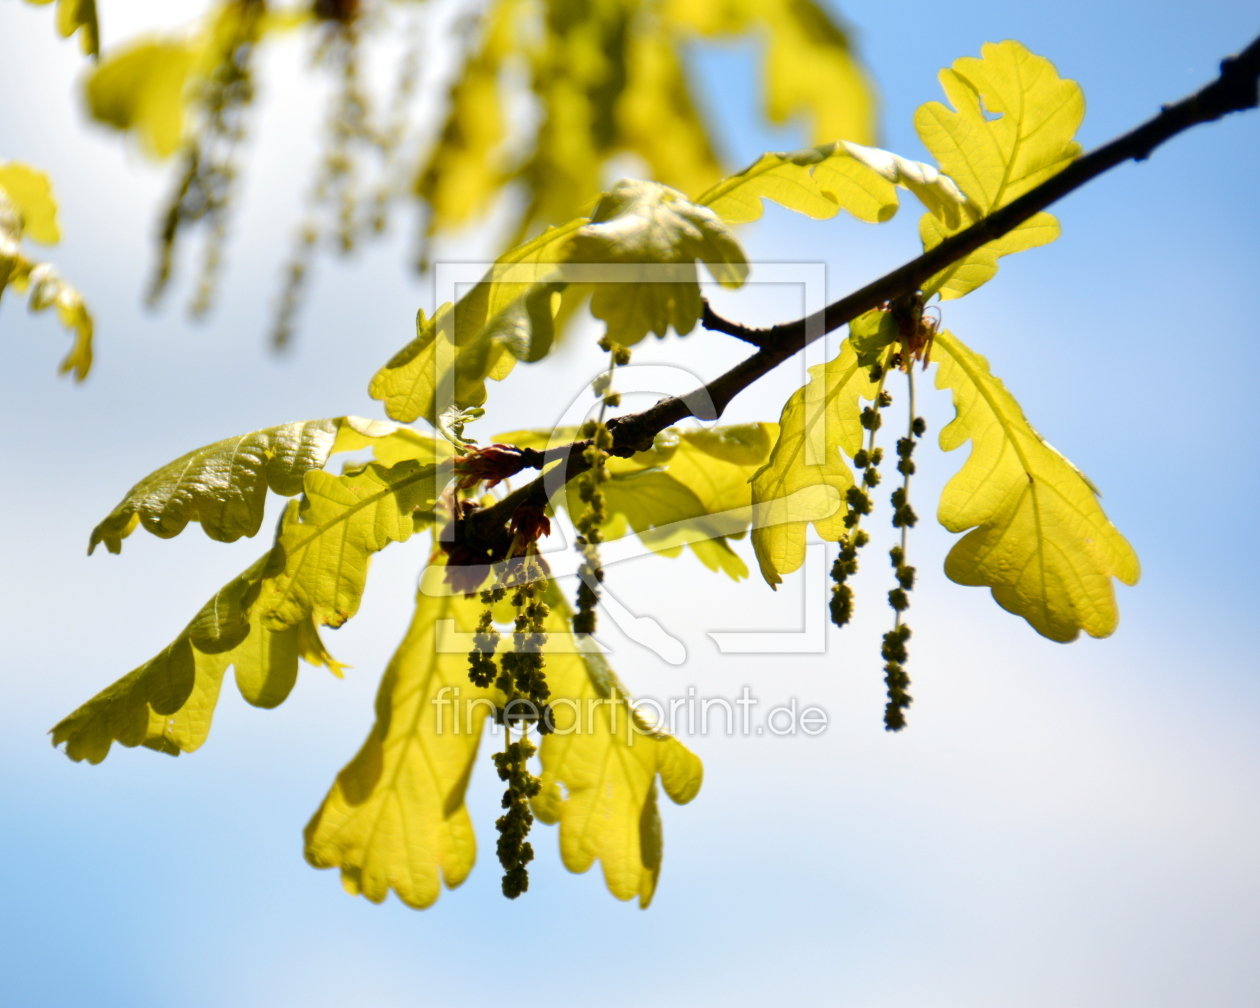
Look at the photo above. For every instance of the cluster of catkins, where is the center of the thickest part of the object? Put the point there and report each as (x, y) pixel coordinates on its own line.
(591, 571)
(208, 173)
(858, 498)
(336, 211)
(515, 852)
(520, 676)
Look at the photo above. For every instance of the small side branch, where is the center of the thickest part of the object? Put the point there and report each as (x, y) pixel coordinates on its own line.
(715, 322)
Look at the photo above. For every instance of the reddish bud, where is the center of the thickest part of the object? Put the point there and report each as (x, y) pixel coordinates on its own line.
(530, 523)
(492, 464)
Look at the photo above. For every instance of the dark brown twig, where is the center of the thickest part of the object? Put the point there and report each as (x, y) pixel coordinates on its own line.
(1234, 91)
(710, 319)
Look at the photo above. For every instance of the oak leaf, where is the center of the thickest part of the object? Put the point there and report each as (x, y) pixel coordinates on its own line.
(1039, 539)
(819, 428)
(224, 485)
(1010, 129)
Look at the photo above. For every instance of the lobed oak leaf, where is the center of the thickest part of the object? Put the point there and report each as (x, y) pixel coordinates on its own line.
(318, 566)
(643, 230)
(224, 485)
(821, 181)
(690, 488)
(807, 469)
(167, 704)
(642, 502)
(1010, 128)
(1039, 539)
(395, 817)
(715, 466)
(870, 333)
(652, 226)
(600, 767)
(980, 266)
(503, 318)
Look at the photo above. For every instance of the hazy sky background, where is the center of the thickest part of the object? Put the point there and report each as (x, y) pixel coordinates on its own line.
(1059, 826)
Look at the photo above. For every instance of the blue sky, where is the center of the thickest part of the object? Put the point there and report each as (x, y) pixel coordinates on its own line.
(1060, 825)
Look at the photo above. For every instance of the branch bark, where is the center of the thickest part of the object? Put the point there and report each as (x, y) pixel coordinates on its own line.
(1235, 90)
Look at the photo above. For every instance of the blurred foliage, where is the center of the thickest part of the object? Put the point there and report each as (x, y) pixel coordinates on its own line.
(78, 16)
(542, 101)
(28, 210)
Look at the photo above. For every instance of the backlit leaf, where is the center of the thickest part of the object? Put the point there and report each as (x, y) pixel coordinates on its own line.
(30, 191)
(821, 181)
(320, 561)
(73, 15)
(265, 619)
(696, 481)
(870, 333)
(408, 383)
(168, 702)
(1038, 538)
(395, 817)
(981, 265)
(640, 231)
(819, 428)
(746, 444)
(405, 443)
(141, 88)
(600, 768)
(714, 466)
(224, 485)
(1010, 129)
(27, 209)
(651, 225)
(717, 555)
(456, 350)
(810, 66)
(643, 501)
